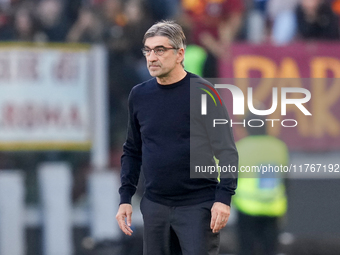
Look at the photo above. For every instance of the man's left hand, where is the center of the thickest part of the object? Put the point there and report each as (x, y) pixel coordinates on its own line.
(219, 216)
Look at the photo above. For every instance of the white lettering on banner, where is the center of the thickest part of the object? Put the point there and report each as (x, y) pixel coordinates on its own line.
(67, 68)
(44, 95)
(4, 68)
(27, 67)
(33, 66)
(19, 67)
(30, 116)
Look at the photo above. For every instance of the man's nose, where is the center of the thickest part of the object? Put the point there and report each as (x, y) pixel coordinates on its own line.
(152, 56)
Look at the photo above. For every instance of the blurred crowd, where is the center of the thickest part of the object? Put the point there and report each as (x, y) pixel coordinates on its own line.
(120, 25)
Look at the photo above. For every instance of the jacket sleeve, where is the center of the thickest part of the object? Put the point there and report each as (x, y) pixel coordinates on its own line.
(131, 159)
(224, 149)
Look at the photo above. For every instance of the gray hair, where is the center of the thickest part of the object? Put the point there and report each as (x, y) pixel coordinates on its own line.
(169, 29)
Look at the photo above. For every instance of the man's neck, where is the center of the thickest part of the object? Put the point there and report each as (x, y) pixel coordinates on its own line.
(174, 77)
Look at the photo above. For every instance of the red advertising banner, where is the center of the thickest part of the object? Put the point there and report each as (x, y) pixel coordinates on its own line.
(312, 66)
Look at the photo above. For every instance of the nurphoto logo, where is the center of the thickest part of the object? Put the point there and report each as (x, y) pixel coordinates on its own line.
(239, 103)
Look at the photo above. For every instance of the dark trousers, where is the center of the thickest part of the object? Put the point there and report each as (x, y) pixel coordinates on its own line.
(257, 235)
(183, 230)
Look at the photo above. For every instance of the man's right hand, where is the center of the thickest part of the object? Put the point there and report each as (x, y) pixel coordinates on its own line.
(125, 212)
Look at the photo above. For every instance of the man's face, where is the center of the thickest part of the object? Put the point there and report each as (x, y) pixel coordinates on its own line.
(161, 66)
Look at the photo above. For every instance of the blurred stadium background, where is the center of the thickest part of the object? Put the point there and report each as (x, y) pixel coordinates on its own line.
(66, 69)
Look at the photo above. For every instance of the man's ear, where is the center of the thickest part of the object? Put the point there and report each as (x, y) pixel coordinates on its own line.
(180, 53)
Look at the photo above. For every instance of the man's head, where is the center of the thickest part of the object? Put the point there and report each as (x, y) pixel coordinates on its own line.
(164, 45)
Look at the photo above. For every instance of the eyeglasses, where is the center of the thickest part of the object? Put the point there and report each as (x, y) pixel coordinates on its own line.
(159, 51)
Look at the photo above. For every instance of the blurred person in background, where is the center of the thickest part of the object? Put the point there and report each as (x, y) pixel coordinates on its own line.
(282, 15)
(195, 60)
(25, 26)
(303, 19)
(87, 28)
(124, 25)
(271, 21)
(182, 215)
(163, 9)
(316, 20)
(19, 24)
(139, 20)
(256, 27)
(260, 199)
(72, 8)
(53, 21)
(215, 25)
(114, 20)
(5, 28)
(196, 56)
(121, 74)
